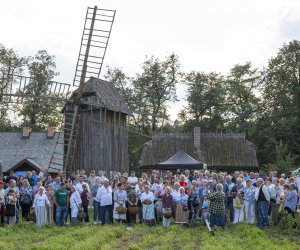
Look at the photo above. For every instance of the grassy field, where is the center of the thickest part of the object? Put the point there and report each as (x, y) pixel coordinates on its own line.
(240, 236)
(26, 235)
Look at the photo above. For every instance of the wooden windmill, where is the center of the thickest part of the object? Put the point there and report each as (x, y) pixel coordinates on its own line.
(95, 134)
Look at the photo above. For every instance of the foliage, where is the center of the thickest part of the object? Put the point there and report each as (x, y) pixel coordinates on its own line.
(39, 113)
(205, 97)
(284, 159)
(156, 85)
(10, 63)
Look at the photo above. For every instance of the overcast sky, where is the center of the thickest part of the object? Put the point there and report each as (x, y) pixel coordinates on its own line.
(211, 35)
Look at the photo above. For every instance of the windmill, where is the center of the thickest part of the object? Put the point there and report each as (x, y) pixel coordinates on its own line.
(94, 116)
(94, 41)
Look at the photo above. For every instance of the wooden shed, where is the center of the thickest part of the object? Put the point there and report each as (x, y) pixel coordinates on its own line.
(102, 137)
(220, 151)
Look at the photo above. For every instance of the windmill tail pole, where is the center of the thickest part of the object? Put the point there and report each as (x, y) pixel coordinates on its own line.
(70, 143)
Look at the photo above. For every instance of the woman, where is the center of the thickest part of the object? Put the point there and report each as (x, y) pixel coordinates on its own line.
(193, 201)
(25, 198)
(217, 207)
(147, 198)
(132, 201)
(96, 203)
(120, 197)
(39, 204)
(20, 181)
(50, 194)
(249, 197)
(291, 201)
(183, 183)
(182, 213)
(238, 201)
(10, 203)
(275, 192)
(167, 201)
(85, 198)
(203, 202)
(75, 204)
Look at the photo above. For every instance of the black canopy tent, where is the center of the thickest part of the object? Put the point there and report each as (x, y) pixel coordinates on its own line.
(180, 160)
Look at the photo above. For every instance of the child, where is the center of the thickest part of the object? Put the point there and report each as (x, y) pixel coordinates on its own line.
(10, 211)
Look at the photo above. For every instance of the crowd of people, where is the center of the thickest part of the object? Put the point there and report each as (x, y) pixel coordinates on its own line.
(161, 197)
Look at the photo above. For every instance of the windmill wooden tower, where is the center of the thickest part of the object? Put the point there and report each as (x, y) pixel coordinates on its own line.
(95, 133)
(94, 115)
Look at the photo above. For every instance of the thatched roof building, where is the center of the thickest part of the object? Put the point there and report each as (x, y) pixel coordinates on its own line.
(26, 153)
(220, 151)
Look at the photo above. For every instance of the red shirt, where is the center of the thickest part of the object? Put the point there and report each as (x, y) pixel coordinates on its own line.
(184, 184)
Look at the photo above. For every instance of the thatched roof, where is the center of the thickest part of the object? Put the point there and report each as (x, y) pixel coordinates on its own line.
(37, 150)
(101, 93)
(220, 151)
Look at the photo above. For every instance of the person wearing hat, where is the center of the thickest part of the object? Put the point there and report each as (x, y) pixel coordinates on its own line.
(2, 202)
(39, 204)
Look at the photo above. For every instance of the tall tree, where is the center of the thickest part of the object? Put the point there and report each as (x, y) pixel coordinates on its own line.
(280, 119)
(242, 85)
(40, 112)
(10, 64)
(205, 97)
(156, 85)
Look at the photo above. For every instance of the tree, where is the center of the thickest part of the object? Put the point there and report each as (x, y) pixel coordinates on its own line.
(205, 97)
(156, 85)
(280, 119)
(41, 112)
(10, 64)
(284, 160)
(242, 87)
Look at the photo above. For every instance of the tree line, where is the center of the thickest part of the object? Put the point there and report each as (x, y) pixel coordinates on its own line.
(263, 103)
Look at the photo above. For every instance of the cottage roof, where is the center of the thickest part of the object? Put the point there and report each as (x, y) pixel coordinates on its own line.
(37, 149)
(102, 93)
(217, 150)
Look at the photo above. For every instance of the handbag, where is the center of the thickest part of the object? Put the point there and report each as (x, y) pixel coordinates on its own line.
(81, 215)
(10, 210)
(25, 199)
(237, 202)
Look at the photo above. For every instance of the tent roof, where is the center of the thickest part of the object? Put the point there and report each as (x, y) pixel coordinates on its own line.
(179, 160)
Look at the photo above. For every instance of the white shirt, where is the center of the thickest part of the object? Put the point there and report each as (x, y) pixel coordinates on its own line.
(264, 189)
(104, 196)
(175, 193)
(155, 188)
(146, 196)
(79, 187)
(132, 179)
(298, 182)
(75, 199)
(40, 200)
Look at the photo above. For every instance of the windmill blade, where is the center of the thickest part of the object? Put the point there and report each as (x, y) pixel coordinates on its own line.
(94, 41)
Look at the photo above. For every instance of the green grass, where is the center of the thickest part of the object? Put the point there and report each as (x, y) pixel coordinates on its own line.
(240, 236)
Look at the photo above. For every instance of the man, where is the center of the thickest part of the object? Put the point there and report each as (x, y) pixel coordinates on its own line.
(61, 200)
(92, 178)
(11, 177)
(79, 184)
(132, 179)
(56, 185)
(104, 196)
(156, 187)
(262, 197)
(298, 185)
(30, 179)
